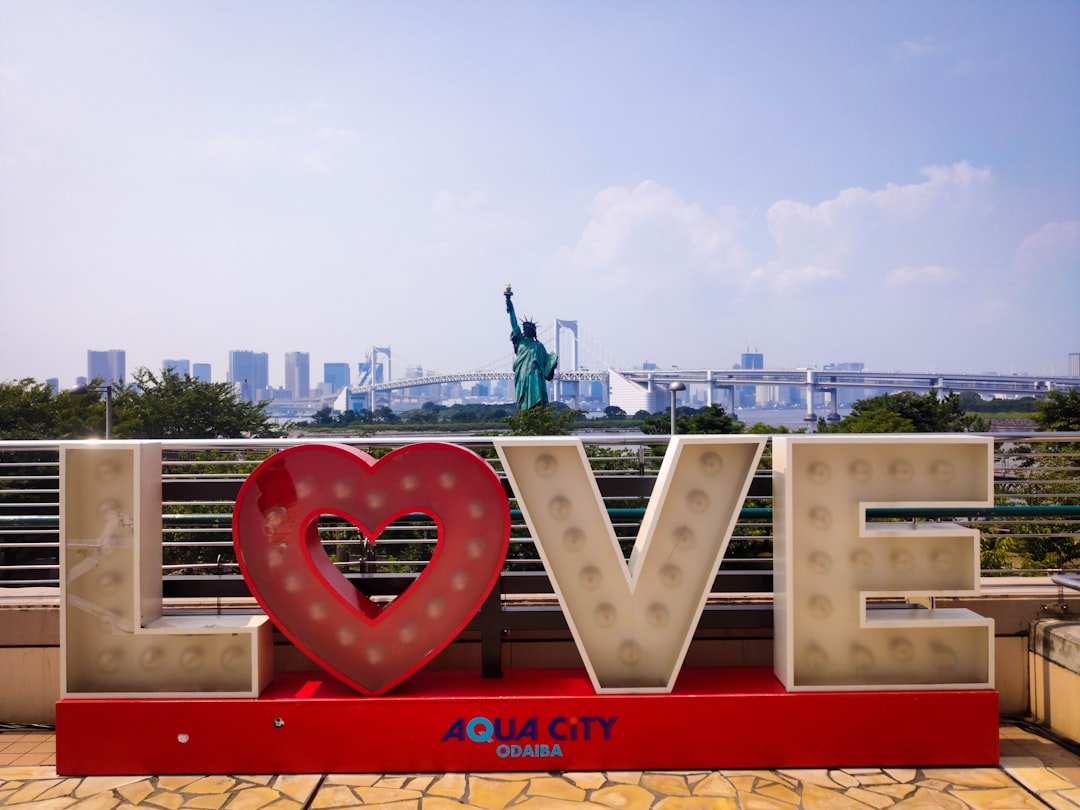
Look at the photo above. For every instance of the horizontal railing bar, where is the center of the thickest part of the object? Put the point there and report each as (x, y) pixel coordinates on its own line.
(1067, 510)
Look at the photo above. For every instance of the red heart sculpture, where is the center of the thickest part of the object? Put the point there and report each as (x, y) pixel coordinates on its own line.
(371, 648)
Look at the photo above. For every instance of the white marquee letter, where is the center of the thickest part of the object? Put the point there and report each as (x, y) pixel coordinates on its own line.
(113, 637)
(829, 561)
(632, 624)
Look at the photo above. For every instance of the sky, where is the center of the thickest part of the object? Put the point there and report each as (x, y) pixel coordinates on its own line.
(891, 183)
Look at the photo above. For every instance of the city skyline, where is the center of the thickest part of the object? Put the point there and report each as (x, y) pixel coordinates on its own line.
(893, 184)
(252, 369)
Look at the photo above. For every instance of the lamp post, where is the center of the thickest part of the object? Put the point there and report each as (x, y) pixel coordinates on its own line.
(107, 389)
(675, 388)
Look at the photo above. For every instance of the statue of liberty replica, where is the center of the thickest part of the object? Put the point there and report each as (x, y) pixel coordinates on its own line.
(533, 365)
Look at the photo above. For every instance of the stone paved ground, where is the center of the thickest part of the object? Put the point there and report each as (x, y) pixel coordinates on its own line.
(1034, 773)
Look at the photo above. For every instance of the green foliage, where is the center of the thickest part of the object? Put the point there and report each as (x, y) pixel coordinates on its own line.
(972, 402)
(545, 420)
(761, 428)
(165, 407)
(430, 416)
(996, 553)
(906, 412)
(710, 419)
(175, 407)
(1048, 471)
(1060, 411)
(30, 410)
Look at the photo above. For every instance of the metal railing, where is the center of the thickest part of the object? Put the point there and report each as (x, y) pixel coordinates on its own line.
(1036, 507)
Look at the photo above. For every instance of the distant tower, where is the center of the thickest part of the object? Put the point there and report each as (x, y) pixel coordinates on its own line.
(108, 366)
(568, 360)
(249, 372)
(748, 394)
(372, 371)
(298, 374)
(752, 360)
(181, 367)
(202, 372)
(1074, 364)
(337, 375)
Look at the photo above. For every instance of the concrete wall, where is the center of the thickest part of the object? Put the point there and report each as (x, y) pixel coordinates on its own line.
(30, 669)
(1054, 675)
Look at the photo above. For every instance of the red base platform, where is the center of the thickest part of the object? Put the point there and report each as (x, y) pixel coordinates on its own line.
(535, 720)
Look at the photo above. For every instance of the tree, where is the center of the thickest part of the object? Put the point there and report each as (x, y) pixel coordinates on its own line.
(614, 412)
(1049, 470)
(906, 412)
(545, 420)
(711, 419)
(1060, 411)
(762, 428)
(30, 410)
(175, 407)
(384, 415)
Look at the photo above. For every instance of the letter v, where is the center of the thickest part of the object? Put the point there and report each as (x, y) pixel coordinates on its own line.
(632, 622)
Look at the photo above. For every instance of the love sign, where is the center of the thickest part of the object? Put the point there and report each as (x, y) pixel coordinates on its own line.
(631, 620)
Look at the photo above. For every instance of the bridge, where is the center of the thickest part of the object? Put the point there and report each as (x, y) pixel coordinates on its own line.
(649, 389)
(653, 385)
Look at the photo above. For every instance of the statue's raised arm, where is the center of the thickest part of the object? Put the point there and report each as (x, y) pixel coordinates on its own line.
(514, 328)
(534, 366)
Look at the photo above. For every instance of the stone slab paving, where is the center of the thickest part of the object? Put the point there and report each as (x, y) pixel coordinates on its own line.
(1034, 773)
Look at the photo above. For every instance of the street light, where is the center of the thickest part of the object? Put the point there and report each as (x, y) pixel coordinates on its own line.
(107, 389)
(675, 388)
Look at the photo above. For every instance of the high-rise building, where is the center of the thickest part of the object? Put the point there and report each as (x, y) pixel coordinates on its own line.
(752, 360)
(201, 372)
(337, 375)
(1074, 364)
(250, 372)
(750, 395)
(298, 374)
(182, 368)
(107, 366)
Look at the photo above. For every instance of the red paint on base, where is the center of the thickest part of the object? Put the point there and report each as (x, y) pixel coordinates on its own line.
(308, 722)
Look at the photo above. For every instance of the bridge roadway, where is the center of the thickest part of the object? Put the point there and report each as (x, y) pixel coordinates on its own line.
(814, 381)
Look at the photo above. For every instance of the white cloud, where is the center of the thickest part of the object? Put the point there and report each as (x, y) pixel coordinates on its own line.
(864, 234)
(314, 162)
(1054, 248)
(783, 279)
(917, 48)
(337, 133)
(632, 233)
(461, 232)
(238, 151)
(447, 203)
(930, 274)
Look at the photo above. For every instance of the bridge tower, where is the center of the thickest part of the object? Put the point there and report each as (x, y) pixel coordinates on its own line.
(811, 385)
(373, 376)
(568, 361)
